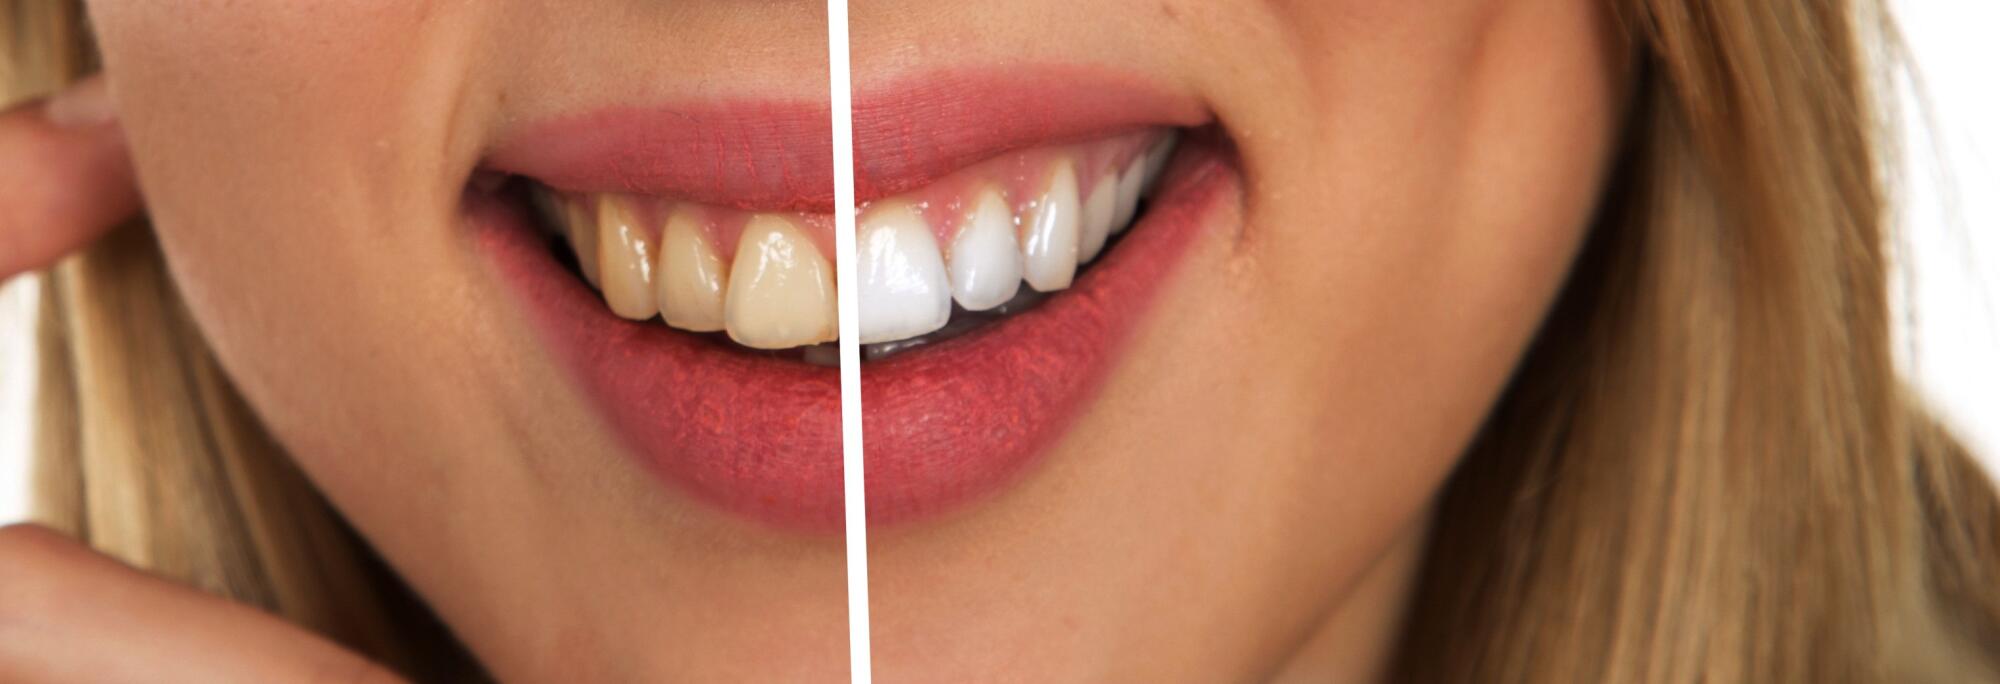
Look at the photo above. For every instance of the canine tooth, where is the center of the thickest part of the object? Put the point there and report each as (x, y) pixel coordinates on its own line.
(780, 292)
(1048, 249)
(1129, 186)
(581, 228)
(903, 288)
(625, 260)
(985, 255)
(691, 276)
(1100, 208)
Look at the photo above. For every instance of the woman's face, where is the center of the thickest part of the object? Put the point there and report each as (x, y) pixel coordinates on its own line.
(1205, 454)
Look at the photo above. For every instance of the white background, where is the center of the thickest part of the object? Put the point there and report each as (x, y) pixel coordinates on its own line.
(1948, 288)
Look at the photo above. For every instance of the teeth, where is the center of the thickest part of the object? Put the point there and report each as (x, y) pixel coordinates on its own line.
(780, 292)
(986, 257)
(1049, 246)
(625, 259)
(582, 236)
(1129, 186)
(691, 276)
(658, 257)
(903, 288)
(1100, 209)
(1157, 157)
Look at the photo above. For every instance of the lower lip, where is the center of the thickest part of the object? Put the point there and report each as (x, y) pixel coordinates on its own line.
(944, 424)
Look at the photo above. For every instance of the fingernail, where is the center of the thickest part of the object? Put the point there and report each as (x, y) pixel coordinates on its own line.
(86, 103)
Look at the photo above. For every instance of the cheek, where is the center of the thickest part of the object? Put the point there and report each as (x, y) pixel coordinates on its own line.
(290, 159)
(1403, 261)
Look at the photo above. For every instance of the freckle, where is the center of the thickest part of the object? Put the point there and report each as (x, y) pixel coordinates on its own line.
(1167, 8)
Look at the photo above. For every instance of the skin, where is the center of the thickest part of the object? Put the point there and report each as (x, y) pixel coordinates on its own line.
(1416, 178)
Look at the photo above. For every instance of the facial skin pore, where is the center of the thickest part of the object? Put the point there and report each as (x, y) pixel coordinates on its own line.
(1245, 497)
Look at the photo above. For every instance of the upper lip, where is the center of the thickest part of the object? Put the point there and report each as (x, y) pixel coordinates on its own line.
(778, 155)
(759, 436)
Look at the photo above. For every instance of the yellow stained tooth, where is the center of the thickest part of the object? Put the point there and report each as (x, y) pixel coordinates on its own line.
(625, 260)
(581, 228)
(780, 292)
(691, 276)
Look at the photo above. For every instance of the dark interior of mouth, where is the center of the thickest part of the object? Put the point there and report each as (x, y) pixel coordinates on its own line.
(962, 321)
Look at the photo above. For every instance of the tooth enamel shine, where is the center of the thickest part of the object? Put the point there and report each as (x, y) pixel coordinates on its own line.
(903, 289)
(625, 260)
(1032, 217)
(1049, 245)
(691, 276)
(780, 292)
(986, 256)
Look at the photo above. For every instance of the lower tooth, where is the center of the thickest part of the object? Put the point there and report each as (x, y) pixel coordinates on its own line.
(780, 291)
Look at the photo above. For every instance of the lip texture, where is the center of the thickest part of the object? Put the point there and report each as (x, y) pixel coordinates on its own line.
(779, 155)
(947, 423)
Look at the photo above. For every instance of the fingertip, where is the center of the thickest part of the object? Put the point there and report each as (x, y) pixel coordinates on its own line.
(67, 183)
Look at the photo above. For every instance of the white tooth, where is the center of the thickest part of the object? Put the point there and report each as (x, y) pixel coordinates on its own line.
(985, 256)
(903, 288)
(625, 260)
(1049, 244)
(581, 228)
(1100, 207)
(691, 276)
(1129, 186)
(780, 292)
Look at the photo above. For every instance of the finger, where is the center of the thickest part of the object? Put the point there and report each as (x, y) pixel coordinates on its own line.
(65, 177)
(68, 614)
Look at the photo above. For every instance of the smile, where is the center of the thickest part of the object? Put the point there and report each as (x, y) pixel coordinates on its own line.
(678, 263)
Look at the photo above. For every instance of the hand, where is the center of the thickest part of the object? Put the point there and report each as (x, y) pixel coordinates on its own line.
(65, 177)
(69, 614)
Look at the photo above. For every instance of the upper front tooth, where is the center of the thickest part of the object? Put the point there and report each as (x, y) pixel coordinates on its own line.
(903, 288)
(1129, 186)
(985, 255)
(780, 292)
(691, 276)
(1049, 245)
(1100, 209)
(625, 258)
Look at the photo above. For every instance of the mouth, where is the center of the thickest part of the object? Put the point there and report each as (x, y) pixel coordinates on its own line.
(678, 262)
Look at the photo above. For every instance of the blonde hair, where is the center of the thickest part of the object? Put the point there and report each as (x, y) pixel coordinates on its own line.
(1705, 468)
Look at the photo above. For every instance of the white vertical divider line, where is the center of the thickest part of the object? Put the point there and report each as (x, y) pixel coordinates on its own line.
(861, 666)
